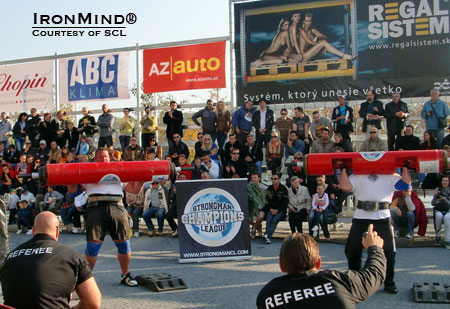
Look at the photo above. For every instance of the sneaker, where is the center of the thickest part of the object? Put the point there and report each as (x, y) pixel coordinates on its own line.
(157, 233)
(410, 235)
(29, 232)
(315, 230)
(447, 245)
(76, 230)
(391, 289)
(128, 280)
(174, 233)
(267, 239)
(136, 234)
(19, 231)
(396, 234)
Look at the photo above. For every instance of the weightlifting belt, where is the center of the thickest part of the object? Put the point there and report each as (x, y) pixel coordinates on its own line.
(372, 206)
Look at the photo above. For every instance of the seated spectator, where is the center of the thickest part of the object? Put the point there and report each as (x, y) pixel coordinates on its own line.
(256, 203)
(198, 145)
(324, 143)
(156, 148)
(319, 123)
(64, 152)
(299, 204)
(29, 150)
(70, 213)
(441, 206)
(133, 152)
(274, 155)
(12, 155)
(294, 170)
(293, 145)
(13, 203)
(71, 136)
(8, 179)
(374, 142)
(155, 204)
(82, 148)
(446, 140)
(211, 167)
(429, 141)
(177, 148)
(52, 200)
(24, 218)
(276, 203)
(54, 153)
(70, 158)
(199, 168)
(209, 147)
(407, 209)
(253, 155)
(27, 196)
(171, 214)
(320, 203)
(92, 148)
(235, 166)
(151, 155)
(231, 144)
(22, 168)
(408, 141)
(345, 144)
(135, 208)
(183, 163)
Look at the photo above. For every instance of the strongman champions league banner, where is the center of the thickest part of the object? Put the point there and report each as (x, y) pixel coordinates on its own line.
(199, 66)
(94, 78)
(213, 220)
(23, 86)
(348, 47)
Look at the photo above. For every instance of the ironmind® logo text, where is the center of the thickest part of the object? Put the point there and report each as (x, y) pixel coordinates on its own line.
(81, 24)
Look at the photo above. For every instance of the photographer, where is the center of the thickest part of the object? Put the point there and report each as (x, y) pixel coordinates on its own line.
(441, 204)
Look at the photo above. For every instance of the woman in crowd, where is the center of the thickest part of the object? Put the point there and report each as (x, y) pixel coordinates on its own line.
(209, 147)
(429, 141)
(64, 152)
(441, 204)
(28, 150)
(274, 154)
(342, 143)
(55, 153)
(19, 131)
(223, 117)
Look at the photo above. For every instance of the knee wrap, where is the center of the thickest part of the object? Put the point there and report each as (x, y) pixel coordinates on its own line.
(92, 249)
(123, 247)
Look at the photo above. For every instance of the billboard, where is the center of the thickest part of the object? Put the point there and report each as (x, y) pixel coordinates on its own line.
(23, 86)
(199, 66)
(309, 51)
(94, 78)
(213, 220)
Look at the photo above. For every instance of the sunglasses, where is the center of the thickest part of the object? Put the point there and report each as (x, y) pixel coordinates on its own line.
(274, 136)
(283, 114)
(373, 132)
(274, 178)
(235, 153)
(155, 183)
(27, 143)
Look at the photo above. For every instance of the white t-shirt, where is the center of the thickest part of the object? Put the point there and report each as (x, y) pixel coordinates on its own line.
(373, 188)
(106, 189)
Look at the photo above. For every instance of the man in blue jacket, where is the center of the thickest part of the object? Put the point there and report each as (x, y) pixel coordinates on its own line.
(242, 121)
(432, 110)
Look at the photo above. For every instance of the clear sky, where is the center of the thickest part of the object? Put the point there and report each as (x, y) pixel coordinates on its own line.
(158, 21)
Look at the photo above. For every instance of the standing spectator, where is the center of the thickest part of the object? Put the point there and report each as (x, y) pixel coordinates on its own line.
(242, 121)
(318, 124)
(274, 155)
(54, 154)
(263, 122)
(320, 203)
(126, 124)
(283, 125)
(156, 149)
(155, 204)
(396, 113)
(408, 141)
(5, 130)
(209, 120)
(342, 117)
(148, 127)
(324, 144)
(71, 136)
(13, 203)
(223, 124)
(19, 133)
(276, 203)
(374, 142)
(174, 121)
(177, 148)
(235, 166)
(301, 123)
(59, 126)
(87, 125)
(435, 112)
(293, 145)
(32, 127)
(105, 122)
(172, 212)
(371, 111)
(133, 152)
(429, 141)
(24, 218)
(45, 129)
(256, 203)
(441, 206)
(253, 155)
(446, 140)
(135, 208)
(299, 202)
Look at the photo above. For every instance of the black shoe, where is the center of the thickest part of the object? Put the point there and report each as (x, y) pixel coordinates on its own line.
(128, 280)
(391, 289)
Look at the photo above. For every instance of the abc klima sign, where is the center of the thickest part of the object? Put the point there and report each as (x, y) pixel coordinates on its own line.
(407, 18)
(198, 66)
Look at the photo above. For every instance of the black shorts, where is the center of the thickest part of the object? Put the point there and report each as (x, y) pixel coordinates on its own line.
(106, 217)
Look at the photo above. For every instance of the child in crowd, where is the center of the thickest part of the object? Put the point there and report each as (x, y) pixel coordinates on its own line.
(320, 203)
